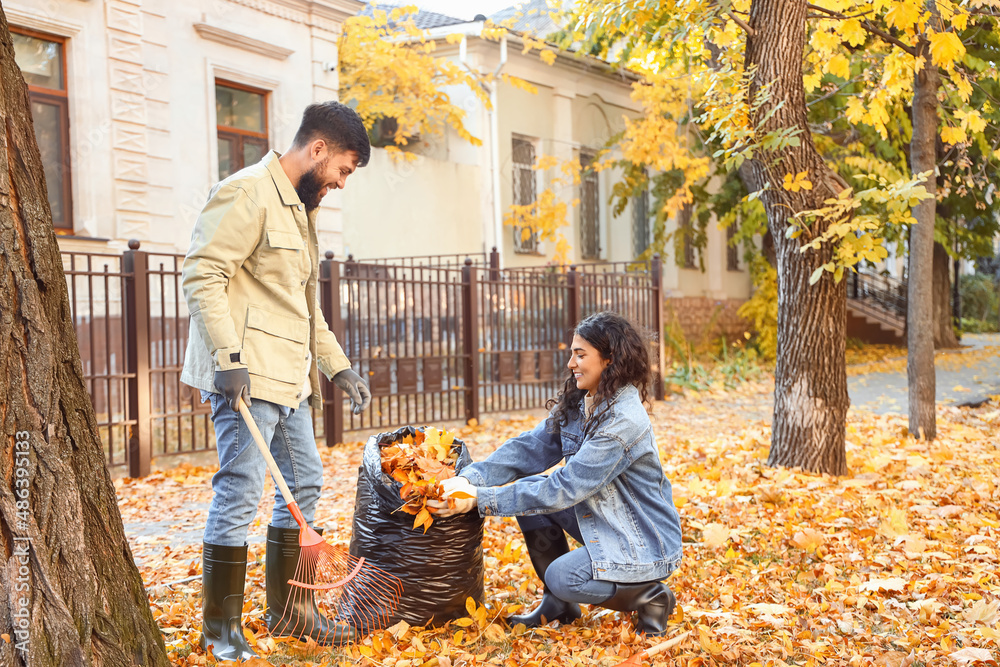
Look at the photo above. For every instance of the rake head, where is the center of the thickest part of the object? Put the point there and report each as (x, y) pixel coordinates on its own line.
(346, 589)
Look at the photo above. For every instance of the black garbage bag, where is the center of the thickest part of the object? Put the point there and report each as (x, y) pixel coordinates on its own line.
(439, 569)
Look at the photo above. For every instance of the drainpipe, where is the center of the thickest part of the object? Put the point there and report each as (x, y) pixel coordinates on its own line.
(494, 142)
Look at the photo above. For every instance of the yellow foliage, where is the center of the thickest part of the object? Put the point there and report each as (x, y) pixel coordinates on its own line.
(946, 49)
(387, 69)
(762, 308)
(796, 182)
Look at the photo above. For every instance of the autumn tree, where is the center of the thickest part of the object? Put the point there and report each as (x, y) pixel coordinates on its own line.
(72, 592)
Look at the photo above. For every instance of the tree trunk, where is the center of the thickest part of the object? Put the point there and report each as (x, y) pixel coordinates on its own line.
(944, 329)
(72, 593)
(920, 263)
(810, 392)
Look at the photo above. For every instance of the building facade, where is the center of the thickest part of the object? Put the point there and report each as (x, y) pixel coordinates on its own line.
(140, 107)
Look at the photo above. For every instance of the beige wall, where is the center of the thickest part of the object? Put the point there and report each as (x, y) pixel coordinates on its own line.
(425, 207)
(142, 101)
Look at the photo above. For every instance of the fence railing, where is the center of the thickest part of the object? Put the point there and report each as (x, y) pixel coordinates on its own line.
(436, 342)
(881, 297)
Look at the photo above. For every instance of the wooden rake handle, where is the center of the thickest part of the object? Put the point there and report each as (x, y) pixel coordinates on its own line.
(663, 646)
(265, 451)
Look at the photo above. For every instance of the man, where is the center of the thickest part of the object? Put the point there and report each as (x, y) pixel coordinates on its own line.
(257, 334)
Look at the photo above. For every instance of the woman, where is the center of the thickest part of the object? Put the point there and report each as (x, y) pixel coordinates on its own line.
(611, 495)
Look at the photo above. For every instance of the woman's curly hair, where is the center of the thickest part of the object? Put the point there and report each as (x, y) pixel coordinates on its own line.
(620, 343)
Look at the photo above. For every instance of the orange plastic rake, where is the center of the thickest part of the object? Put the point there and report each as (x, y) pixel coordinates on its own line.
(349, 589)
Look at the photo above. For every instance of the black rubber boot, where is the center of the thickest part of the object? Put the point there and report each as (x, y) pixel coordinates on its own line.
(223, 575)
(653, 603)
(304, 619)
(545, 546)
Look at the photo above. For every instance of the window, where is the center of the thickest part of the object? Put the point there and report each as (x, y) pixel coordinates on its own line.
(524, 184)
(732, 249)
(590, 232)
(241, 114)
(42, 60)
(640, 223)
(685, 230)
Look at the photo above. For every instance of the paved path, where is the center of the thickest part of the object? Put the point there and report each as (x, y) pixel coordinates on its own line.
(966, 376)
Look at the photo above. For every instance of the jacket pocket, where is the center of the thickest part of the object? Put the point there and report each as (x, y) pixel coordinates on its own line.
(276, 345)
(280, 259)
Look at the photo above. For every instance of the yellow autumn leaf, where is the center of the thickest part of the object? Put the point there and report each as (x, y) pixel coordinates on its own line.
(953, 135)
(946, 49)
(548, 56)
(715, 535)
(852, 32)
(812, 81)
(855, 110)
(808, 539)
(797, 182)
(903, 15)
(839, 66)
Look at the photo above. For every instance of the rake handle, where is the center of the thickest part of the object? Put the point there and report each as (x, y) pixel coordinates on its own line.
(663, 646)
(293, 507)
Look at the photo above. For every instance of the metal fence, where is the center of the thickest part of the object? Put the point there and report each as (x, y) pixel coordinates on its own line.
(436, 341)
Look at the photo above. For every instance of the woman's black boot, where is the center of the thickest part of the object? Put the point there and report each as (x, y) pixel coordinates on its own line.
(223, 575)
(298, 617)
(653, 603)
(545, 545)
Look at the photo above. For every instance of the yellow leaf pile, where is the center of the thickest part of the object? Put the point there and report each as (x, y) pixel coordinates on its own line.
(419, 462)
(894, 564)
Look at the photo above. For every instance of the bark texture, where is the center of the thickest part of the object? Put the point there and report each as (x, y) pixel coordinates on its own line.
(67, 572)
(944, 330)
(810, 393)
(920, 263)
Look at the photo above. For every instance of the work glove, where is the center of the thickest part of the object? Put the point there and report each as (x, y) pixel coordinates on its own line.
(450, 487)
(351, 383)
(232, 384)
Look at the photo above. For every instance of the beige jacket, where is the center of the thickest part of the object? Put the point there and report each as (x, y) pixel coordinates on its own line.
(250, 282)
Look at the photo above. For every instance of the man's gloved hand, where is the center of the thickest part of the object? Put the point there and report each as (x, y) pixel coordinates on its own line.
(232, 384)
(452, 487)
(350, 382)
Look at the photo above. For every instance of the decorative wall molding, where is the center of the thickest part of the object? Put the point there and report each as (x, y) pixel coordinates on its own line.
(32, 19)
(229, 38)
(326, 14)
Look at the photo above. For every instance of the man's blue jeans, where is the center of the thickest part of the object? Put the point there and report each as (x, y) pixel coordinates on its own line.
(238, 485)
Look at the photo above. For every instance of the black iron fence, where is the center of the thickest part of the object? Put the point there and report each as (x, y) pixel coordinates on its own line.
(436, 341)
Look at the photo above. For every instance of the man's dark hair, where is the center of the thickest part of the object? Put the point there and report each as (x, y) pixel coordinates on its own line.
(338, 125)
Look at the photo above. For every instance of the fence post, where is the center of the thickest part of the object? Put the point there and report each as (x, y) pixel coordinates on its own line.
(572, 302)
(135, 307)
(470, 339)
(494, 265)
(656, 269)
(329, 303)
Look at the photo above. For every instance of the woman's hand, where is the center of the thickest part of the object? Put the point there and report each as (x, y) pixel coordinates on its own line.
(455, 486)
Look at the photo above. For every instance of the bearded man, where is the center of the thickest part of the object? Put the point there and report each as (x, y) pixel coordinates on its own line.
(258, 335)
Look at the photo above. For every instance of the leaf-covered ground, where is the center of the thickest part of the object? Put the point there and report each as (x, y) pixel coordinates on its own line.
(894, 565)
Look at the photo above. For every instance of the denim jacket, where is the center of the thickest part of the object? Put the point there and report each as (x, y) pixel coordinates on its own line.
(612, 478)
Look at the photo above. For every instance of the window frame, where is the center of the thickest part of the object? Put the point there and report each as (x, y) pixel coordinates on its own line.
(589, 176)
(59, 99)
(641, 222)
(732, 249)
(522, 247)
(685, 226)
(239, 135)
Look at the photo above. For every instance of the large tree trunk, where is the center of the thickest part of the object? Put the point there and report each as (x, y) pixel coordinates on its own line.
(71, 592)
(920, 266)
(944, 329)
(810, 392)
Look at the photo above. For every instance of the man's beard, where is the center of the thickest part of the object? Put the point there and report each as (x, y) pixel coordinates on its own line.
(309, 187)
